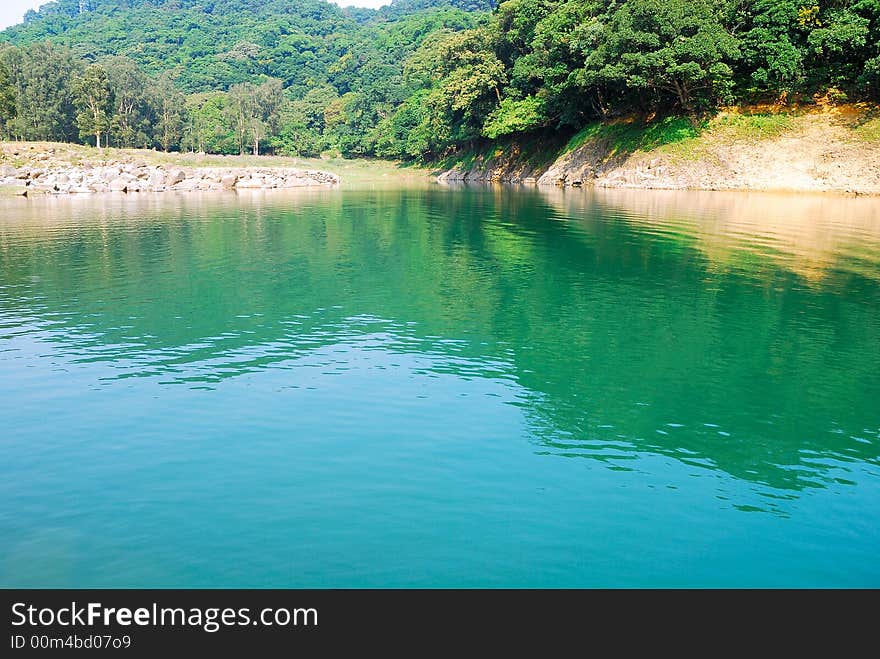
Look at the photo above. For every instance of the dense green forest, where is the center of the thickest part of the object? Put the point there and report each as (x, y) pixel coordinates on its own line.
(417, 79)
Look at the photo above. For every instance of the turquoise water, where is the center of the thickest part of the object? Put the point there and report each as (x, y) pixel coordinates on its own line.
(440, 387)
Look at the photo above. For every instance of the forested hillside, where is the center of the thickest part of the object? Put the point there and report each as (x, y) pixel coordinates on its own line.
(294, 76)
(417, 79)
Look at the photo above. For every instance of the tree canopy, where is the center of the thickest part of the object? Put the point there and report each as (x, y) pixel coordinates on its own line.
(416, 79)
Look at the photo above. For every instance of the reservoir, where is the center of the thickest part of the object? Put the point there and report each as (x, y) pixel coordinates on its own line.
(433, 386)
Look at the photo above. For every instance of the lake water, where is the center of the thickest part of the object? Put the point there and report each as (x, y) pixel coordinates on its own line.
(440, 387)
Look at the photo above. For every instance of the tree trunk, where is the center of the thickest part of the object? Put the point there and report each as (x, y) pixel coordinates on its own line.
(98, 139)
(684, 98)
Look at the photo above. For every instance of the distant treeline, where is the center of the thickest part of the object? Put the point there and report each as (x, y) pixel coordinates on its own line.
(415, 80)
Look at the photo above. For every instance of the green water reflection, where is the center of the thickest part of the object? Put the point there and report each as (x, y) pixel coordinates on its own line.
(738, 335)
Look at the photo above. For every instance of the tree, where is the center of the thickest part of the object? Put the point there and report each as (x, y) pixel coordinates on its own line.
(253, 110)
(40, 74)
(301, 127)
(132, 118)
(93, 102)
(465, 77)
(170, 112)
(207, 128)
(7, 98)
(771, 46)
(419, 78)
(238, 112)
(670, 47)
(408, 132)
(267, 103)
(515, 116)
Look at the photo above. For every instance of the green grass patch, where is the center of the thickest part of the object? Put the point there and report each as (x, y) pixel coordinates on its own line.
(588, 132)
(869, 131)
(754, 126)
(638, 136)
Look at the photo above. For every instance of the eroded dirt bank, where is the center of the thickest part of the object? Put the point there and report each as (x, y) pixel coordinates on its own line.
(822, 150)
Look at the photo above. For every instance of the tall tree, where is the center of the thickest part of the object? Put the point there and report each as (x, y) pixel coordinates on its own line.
(132, 118)
(465, 78)
(93, 102)
(7, 98)
(170, 110)
(301, 123)
(208, 126)
(268, 101)
(41, 75)
(239, 111)
(254, 111)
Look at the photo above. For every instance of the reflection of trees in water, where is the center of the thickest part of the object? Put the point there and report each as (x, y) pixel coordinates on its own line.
(812, 235)
(625, 332)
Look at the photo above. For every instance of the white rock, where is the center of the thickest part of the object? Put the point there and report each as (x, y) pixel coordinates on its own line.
(118, 185)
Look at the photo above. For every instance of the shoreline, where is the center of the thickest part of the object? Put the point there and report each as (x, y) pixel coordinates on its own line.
(829, 150)
(817, 152)
(530, 183)
(129, 178)
(591, 186)
(59, 169)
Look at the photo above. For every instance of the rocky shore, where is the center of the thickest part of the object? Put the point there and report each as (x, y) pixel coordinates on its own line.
(141, 177)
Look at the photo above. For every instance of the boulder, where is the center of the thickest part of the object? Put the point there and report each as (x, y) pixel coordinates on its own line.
(229, 180)
(118, 185)
(250, 183)
(175, 177)
(186, 185)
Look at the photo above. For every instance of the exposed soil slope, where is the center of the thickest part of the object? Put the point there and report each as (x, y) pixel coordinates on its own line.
(826, 149)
